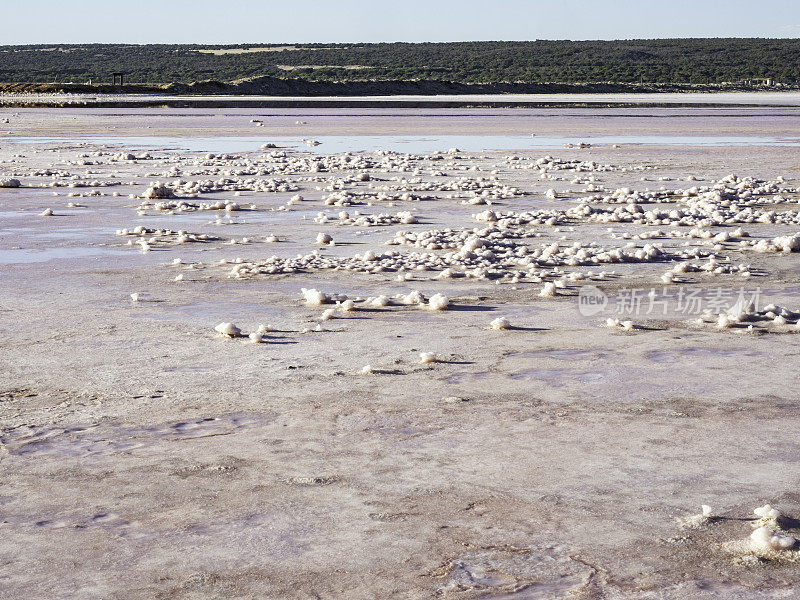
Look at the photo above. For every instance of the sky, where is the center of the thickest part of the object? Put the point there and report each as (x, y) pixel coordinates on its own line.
(269, 21)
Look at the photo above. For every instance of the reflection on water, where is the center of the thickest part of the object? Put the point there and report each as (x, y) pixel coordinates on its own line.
(30, 255)
(330, 144)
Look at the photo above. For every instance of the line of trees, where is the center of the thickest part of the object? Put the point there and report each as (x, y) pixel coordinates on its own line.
(648, 61)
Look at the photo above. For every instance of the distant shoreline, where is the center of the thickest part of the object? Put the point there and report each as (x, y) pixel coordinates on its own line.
(274, 86)
(268, 92)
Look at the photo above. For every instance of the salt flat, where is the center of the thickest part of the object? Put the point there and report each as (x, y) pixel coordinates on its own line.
(376, 443)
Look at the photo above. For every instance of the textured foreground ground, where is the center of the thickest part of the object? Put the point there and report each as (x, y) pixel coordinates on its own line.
(144, 456)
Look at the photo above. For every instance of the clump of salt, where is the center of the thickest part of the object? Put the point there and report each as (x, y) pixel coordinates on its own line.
(696, 521)
(378, 301)
(767, 513)
(500, 323)
(765, 539)
(314, 297)
(427, 357)
(159, 191)
(228, 330)
(617, 324)
(438, 302)
(549, 290)
(412, 298)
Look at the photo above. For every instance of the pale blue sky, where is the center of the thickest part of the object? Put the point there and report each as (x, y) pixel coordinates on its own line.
(244, 21)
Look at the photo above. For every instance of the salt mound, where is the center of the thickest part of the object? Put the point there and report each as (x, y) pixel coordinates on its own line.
(549, 290)
(413, 298)
(697, 521)
(379, 301)
(314, 297)
(786, 244)
(427, 357)
(438, 302)
(159, 191)
(617, 324)
(9, 183)
(764, 539)
(500, 323)
(228, 330)
(768, 541)
(767, 513)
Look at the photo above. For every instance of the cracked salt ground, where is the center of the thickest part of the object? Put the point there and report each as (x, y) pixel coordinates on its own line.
(609, 375)
(569, 354)
(510, 572)
(198, 310)
(107, 438)
(104, 521)
(671, 356)
(605, 384)
(561, 377)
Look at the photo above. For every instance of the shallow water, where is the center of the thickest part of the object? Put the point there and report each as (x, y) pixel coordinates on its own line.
(401, 143)
(35, 255)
